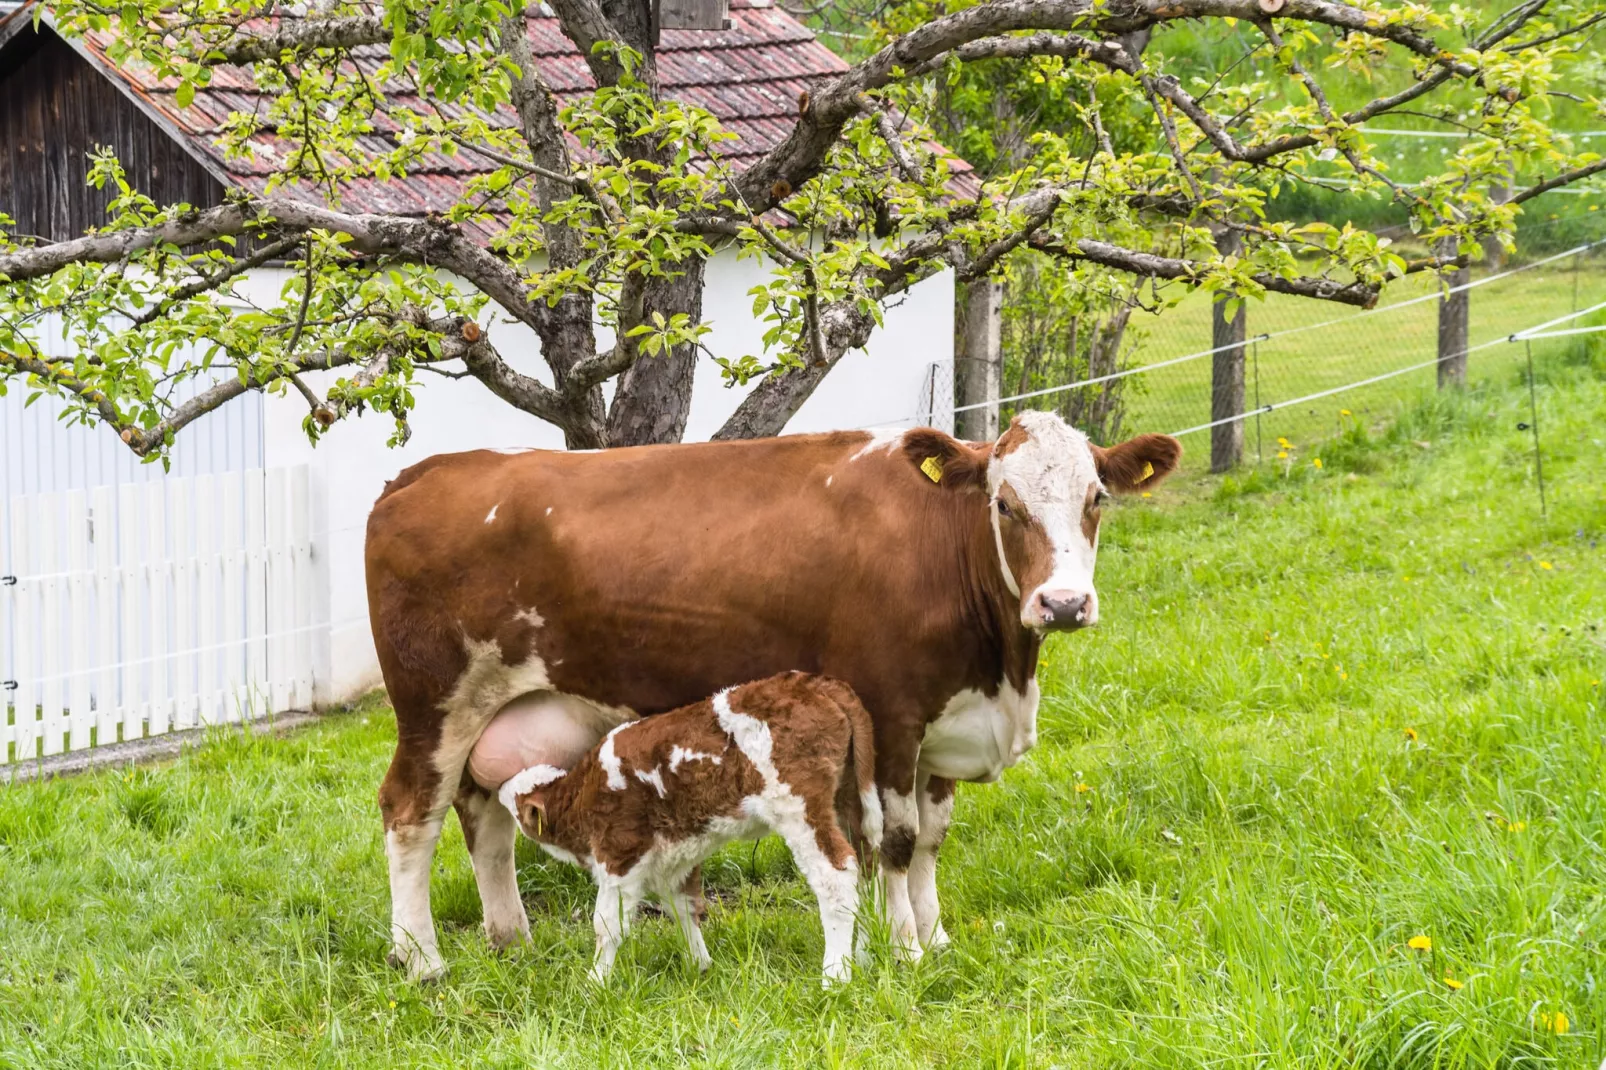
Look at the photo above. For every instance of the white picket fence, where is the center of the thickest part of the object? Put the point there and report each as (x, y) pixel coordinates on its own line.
(134, 610)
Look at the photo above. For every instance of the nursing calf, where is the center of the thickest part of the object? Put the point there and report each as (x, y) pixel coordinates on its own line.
(790, 755)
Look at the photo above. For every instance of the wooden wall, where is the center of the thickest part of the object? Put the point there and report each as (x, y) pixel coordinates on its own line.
(55, 109)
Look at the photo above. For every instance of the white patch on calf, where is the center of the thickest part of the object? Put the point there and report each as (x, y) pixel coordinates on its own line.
(679, 755)
(609, 760)
(525, 781)
(490, 516)
(655, 779)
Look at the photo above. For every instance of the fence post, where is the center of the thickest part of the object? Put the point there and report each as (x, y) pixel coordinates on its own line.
(979, 368)
(1227, 370)
(1453, 318)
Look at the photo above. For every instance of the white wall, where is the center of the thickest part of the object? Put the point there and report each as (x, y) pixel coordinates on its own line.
(881, 385)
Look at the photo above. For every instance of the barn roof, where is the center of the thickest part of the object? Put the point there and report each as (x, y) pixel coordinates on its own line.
(750, 77)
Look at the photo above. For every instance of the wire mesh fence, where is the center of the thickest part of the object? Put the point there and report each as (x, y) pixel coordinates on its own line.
(1307, 366)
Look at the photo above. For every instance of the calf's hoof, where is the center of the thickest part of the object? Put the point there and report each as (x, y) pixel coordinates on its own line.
(836, 973)
(938, 941)
(909, 952)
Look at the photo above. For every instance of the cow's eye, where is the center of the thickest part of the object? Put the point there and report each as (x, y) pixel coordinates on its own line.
(1003, 508)
(1100, 498)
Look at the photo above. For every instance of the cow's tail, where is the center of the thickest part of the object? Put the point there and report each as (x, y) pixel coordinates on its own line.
(861, 760)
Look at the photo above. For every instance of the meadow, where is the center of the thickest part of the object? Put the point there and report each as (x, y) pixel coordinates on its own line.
(1324, 789)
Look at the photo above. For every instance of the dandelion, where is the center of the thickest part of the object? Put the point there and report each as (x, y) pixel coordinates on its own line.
(1516, 826)
(1146, 494)
(1345, 412)
(1420, 943)
(1343, 676)
(392, 1004)
(1455, 986)
(1317, 462)
(1284, 443)
(1546, 565)
(735, 1020)
(1556, 1023)
(1410, 734)
(1082, 789)
(1282, 455)
(1405, 579)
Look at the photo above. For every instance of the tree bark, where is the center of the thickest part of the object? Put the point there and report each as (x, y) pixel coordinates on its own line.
(1227, 372)
(653, 397)
(1453, 316)
(979, 369)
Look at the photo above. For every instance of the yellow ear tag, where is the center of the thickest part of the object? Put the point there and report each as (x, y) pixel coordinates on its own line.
(1148, 470)
(933, 469)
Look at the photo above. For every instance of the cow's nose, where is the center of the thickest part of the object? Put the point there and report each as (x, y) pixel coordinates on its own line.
(1062, 609)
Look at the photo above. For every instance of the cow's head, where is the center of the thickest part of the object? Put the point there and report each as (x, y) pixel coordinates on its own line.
(1046, 483)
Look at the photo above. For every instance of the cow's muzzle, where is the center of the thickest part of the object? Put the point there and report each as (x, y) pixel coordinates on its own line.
(1063, 611)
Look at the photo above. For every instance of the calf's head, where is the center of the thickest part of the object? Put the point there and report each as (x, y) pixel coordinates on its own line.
(1046, 485)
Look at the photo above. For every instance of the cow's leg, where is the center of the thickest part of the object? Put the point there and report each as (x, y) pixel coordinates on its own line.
(935, 797)
(617, 899)
(902, 816)
(489, 831)
(677, 898)
(410, 803)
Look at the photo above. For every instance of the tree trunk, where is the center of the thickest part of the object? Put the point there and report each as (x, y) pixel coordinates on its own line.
(1227, 373)
(979, 369)
(1453, 315)
(653, 396)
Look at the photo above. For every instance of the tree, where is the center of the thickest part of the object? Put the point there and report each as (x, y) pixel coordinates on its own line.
(604, 212)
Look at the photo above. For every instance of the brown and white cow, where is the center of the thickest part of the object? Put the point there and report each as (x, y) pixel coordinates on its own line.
(791, 755)
(920, 570)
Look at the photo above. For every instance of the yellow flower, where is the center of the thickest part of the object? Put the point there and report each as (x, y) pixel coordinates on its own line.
(1081, 788)
(1282, 455)
(1146, 494)
(1455, 986)
(1345, 412)
(1405, 579)
(1343, 676)
(1284, 443)
(1556, 1023)
(392, 1004)
(1516, 826)
(1410, 734)
(1420, 943)
(1546, 565)
(1317, 462)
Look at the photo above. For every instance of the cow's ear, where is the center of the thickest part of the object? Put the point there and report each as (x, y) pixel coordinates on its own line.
(1137, 463)
(944, 460)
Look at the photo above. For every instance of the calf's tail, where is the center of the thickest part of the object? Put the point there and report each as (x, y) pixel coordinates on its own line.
(861, 759)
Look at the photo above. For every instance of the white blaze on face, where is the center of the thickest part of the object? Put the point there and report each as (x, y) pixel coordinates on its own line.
(1051, 473)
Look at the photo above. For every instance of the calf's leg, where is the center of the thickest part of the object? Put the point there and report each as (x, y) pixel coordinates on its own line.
(490, 831)
(827, 862)
(678, 900)
(935, 798)
(617, 899)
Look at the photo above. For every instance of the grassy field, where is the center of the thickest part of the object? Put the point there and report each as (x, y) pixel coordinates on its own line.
(1323, 790)
(1332, 345)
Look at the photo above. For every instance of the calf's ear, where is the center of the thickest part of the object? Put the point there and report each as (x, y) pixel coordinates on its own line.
(1138, 463)
(944, 460)
(532, 815)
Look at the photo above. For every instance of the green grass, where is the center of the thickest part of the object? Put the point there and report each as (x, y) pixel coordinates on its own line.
(1258, 841)
(1358, 346)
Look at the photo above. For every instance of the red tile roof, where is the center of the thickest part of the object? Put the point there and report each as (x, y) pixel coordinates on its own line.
(749, 77)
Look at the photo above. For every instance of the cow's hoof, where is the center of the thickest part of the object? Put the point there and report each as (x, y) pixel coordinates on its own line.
(909, 952)
(938, 941)
(506, 939)
(836, 974)
(419, 967)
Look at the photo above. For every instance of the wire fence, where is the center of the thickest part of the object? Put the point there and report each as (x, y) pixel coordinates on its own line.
(1307, 365)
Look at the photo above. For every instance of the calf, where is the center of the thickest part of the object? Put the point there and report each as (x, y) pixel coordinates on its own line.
(791, 755)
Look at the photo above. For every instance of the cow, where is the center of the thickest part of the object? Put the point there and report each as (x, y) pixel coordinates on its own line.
(604, 586)
(791, 755)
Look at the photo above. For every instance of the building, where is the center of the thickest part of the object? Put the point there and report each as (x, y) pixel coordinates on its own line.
(61, 98)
